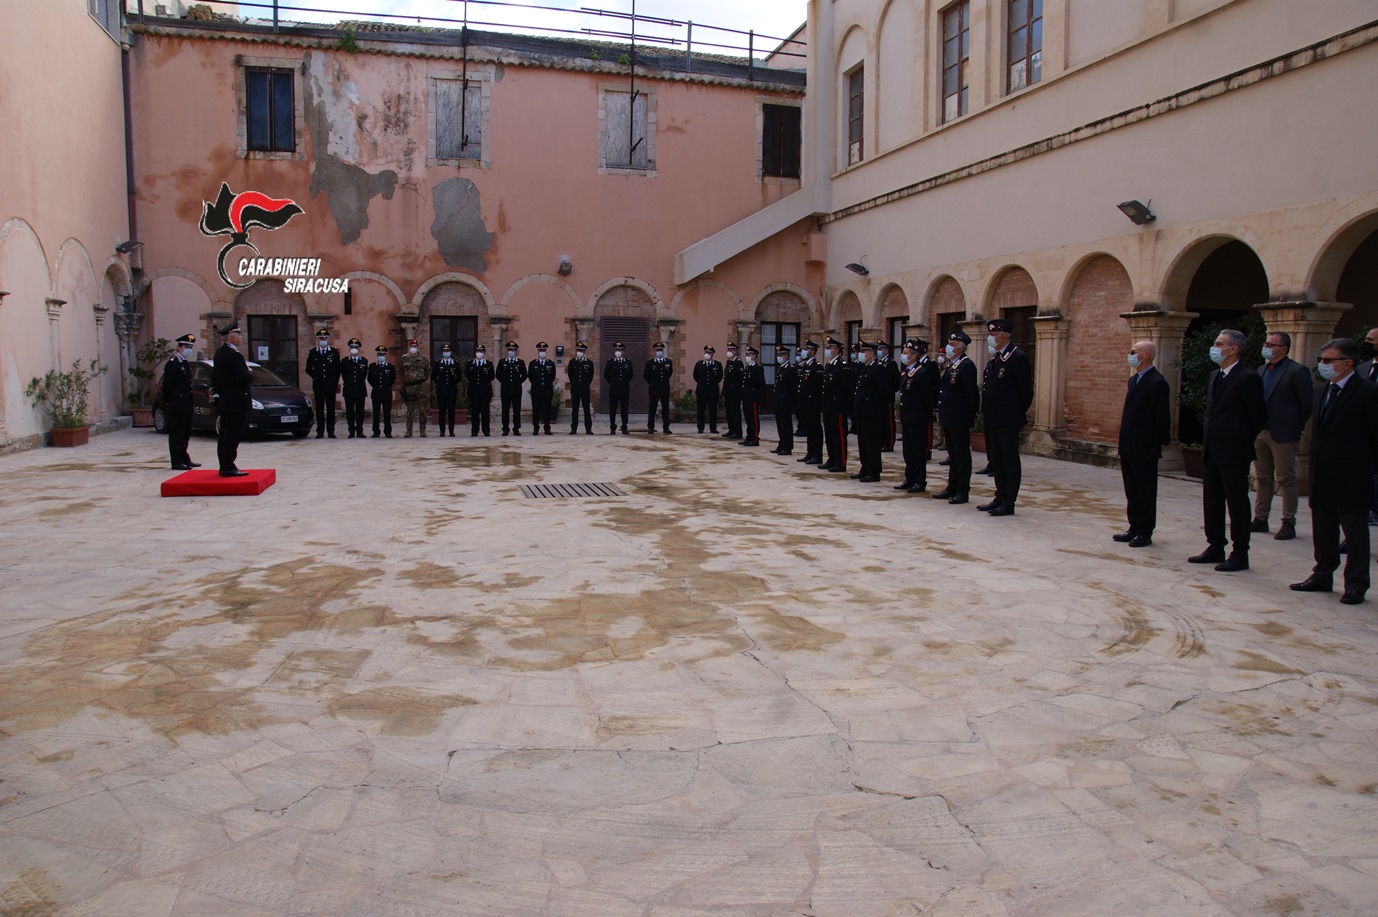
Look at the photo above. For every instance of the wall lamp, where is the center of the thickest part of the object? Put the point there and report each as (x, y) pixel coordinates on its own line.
(125, 248)
(859, 269)
(1138, 213)
(566, 267)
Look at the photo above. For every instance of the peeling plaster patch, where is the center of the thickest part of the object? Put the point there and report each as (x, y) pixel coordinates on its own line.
(348, 189)
(458, 225)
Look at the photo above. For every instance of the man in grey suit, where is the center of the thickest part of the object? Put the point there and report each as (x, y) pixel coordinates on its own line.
(1287, 393)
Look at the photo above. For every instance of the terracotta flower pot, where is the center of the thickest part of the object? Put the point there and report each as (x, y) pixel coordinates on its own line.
(71, 436)
(143, 417)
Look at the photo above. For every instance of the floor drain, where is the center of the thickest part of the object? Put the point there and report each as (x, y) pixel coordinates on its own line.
(552, 491)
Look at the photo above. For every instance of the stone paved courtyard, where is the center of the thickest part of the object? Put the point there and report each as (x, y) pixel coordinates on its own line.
(393, 685)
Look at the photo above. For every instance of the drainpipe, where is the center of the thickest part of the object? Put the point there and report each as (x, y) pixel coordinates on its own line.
(129, 145)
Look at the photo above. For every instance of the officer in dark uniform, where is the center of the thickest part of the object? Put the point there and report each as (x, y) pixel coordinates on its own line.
(753, 390)
(918, 397)
(959, 401)
(807, 402)
(445, 376)
(323, 366)
(354, 372)
(479, 373)
(708, 374)
(892, 370)
(658, 372)
(1008, 393)
(381, 376)
(786, 385)
(176, 386)
(869, 399)
(618, 374)
(231, 379)
(732, 393)
(541, 372)
(580, 372)
(511, 373)
(838, 390)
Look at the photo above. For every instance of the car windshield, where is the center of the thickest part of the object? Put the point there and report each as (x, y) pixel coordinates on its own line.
(265, 377)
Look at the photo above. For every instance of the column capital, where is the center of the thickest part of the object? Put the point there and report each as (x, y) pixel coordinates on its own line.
(1301, 315)
(55, 306)
(1149, 316)
(100, 311)
(127, 323)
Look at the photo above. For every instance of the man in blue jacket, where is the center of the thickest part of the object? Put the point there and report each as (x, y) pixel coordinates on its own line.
(1287, 394)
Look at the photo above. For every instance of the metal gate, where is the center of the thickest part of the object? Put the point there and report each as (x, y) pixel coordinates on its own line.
(635, 335)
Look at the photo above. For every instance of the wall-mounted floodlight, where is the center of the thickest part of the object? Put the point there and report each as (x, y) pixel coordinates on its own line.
(1137, 212)
(125, 248)
(859, 269)
(566, 266)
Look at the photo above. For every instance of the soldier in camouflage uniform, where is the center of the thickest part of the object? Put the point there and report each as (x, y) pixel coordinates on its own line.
(416, 389)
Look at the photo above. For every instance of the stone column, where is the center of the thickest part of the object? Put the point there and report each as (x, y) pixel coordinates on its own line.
(100, 310)
(746, 333)
(500, 325)
(1050, 381)
(127, 330)
(54, 339)
(976, 350)
(1164, 329)
(667, 330)
(406, 328)
(320, 321)
(583, 331)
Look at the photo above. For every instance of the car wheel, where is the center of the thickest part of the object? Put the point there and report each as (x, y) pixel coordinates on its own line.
(160, 419)
(300, 433)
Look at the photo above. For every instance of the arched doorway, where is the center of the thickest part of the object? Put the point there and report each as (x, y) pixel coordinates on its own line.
(1223, 291)
(276, 329)
(894, 315)
(624, 313)
(782, 318)
(1358, 286)
(947, 309)
(1097, 341)
(452, 313)
(1015, 299)
(849, 319)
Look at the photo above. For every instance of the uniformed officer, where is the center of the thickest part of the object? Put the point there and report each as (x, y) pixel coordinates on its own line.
(354, 372)
(708, 374)
(446, 375)
(807, 402)
(892, 371)
(658, 372)
(836, 403)
(959, 401)
(381, 376)
(870, 394)
(511, 373)
(231, 386)
(618, 374)
(479, 373)
(580, 372)
(541, 372)
(786, 387)
(416, 389)
(323, 366)
(753, 390)
(177, 405)
(918, 397)
(732, 393)
(1008, 393)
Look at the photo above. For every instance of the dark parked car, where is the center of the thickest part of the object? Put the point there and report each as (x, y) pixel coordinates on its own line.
(277, 407)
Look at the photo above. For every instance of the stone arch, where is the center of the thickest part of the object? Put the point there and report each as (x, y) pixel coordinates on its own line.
(815, 314)
(267, 297)
(619, 303)
(551, 279)
(117, 271)
(71, 250)
(215, 296)
(727, 291)
(386, 281)
(19, 227)
(658, 304)
(893, 302)
(847, 308)
(1098, 290)
(453, 298)
(1187, 259)
(1340, 238)
(944, 308)
(1011, 287)
(456, 277)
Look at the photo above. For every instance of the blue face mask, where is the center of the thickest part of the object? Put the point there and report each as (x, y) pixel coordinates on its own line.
(1326, 371)
(950, 351)
(1217, 355)
(1267, 354)
(1133, 361)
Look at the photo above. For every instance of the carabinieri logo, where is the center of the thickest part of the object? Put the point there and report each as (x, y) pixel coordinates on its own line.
(234, 214)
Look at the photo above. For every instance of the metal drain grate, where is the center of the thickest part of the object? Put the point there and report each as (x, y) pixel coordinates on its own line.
(552, 491)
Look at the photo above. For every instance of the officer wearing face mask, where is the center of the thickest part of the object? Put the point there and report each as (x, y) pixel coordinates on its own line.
(479, 373)
(580, 373)
(1008, 394)
(919, 383)
(892, 372)
(511, 374)
(869, 397)
(177, 406)
(323, 366)
(838, 389)
(959, 401)
(658, 372)
(446, 374)
(541, 373)
(808, 400)
(618, 373)
(732, 393)
(708, 374)
(416, 389)
(753, 389)
(354, 372)
(785, 388)
(381, 376)
(1368, 371)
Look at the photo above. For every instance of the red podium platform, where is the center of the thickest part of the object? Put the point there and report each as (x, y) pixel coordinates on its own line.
(211, 484)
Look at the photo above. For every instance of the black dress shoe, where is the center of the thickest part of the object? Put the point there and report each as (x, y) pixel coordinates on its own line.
(1003, 509)
(944, 493)
(902, 485)
(985, 470)
(1208, 556)
(234, 474)
(749, 442)
(836, 470)
(1313, 583)
(1141, 541)
(989, 507)
(375, 435)
(1286, 532)
(332, 435)
(918, 488)
(320, 436)
(868, 479)
(1352, 596)
(812, 460)
(1258, 525)
(827, 466)
(1233, 564)
(945, 462)
(181, 468)
(960, 498)
(193, 464)
(855, 476)
(1122, 537)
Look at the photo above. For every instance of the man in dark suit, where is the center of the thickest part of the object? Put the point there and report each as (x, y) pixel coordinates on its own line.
(1287, 393)
(808, 402)
(708, 374)
(835, 402)
(381, 377)
(177, 405)
(446, 375)
(753, 390)
(871, 396)
(1235, 413)
(786, 385)
(1368, 369)
(732, 393)
(480, 373)
(618, 373)
(580, 372)
(918, 398)
(323, 366)
(230, 382)
(1145, 428)
(1344, 456)
(660, 369)
(354, 373)
(541, 373)
(892, 373)
(1007, 390)
(511, 373)
(958, 403)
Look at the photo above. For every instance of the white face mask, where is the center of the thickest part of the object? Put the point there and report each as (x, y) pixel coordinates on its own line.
(732, 355)
(186, 352)
(353, 351)
(478, 358)
(581, 355)
(325, 345)
(411, 350)
(708, 357)
(829, 354)
(991, 347)
(617, 353)
(541, 354)
(750, 360)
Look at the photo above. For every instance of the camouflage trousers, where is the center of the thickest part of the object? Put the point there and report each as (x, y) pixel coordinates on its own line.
(418, 407)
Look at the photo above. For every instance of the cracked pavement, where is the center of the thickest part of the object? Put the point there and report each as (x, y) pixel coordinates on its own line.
(392, 685)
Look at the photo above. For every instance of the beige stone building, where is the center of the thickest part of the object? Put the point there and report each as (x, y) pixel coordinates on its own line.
(971, 156)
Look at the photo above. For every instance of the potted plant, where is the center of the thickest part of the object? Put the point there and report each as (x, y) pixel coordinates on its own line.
(143, 372)
(64, 396)
(686, 407)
